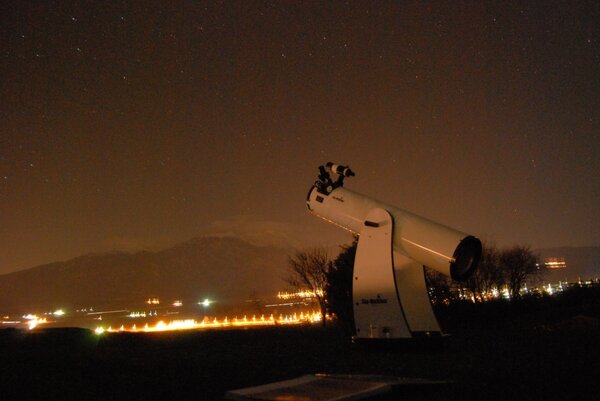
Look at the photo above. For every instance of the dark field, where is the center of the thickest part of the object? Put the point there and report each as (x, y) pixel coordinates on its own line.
(542, 349)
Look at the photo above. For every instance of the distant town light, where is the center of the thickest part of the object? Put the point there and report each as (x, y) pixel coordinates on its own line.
(137, 314)
(302, 294)
(206, 303)
(555, 263)
(58, 312)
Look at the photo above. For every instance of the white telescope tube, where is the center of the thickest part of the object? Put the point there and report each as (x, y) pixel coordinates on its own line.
(434, 245)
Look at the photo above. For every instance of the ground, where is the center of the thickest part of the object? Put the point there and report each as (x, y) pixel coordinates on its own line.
(531, 350)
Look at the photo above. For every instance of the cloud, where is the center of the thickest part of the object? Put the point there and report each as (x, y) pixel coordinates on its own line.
(258, 231)
(132, 244)
(253, 229)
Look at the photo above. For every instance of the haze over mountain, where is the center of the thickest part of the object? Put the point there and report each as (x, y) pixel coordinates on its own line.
(226, 269)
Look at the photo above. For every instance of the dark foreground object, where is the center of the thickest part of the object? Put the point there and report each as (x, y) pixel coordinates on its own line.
(534, 353)
(328, 387)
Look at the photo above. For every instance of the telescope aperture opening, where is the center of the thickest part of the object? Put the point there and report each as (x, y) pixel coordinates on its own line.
(466, 258)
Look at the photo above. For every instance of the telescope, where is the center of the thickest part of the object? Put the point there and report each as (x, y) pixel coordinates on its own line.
(390, 297)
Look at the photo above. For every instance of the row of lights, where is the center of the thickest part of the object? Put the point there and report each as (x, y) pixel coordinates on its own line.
(189, 324)
(504, 293)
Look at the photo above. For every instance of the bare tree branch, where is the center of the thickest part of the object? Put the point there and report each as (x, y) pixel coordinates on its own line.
(308, 269)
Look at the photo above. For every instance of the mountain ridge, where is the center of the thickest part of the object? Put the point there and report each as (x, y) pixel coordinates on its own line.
(226, 268)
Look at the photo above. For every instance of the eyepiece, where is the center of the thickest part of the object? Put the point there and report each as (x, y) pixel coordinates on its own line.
(338, 169)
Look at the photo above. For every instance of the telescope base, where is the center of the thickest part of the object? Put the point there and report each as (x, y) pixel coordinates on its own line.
(390, 298)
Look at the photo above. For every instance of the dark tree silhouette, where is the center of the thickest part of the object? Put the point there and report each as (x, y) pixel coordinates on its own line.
(339, 286)
(489, 273)
(519, 264)
(308, 270)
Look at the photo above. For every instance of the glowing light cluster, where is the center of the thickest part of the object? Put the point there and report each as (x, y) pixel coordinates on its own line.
(153, 301)
(206, 303)
(136, 315)
(303, 294)
(493, 293)
(188, 324)
(555, 263)
(33, 321)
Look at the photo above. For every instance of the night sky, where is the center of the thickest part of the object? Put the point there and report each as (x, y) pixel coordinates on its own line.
(136, 125)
